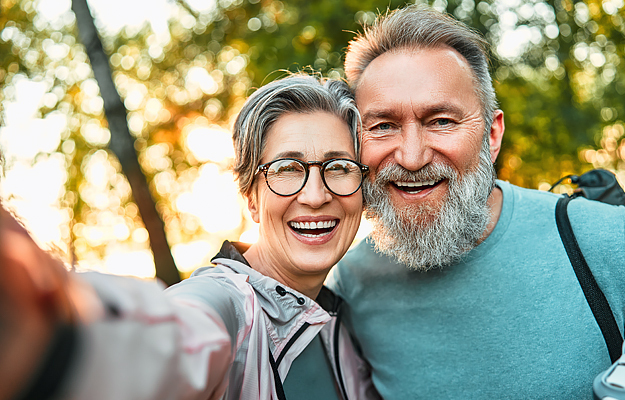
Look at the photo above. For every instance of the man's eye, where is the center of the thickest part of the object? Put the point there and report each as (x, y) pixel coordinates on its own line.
(442, 122)
(382, 127)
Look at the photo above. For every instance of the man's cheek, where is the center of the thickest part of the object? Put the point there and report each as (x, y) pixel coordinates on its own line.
(374, 152)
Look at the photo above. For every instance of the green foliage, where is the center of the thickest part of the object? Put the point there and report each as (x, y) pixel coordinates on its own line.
(562, 91)
(554, 103)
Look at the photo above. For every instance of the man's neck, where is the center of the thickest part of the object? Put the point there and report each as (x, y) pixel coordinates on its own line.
(495, 203)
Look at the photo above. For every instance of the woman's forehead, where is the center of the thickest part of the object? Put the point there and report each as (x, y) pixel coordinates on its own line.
(302, 135)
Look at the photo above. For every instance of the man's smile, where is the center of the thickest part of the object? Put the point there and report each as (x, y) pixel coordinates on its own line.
(415, 187)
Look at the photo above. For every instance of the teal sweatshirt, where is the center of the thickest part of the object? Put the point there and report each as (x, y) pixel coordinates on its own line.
(509, 321)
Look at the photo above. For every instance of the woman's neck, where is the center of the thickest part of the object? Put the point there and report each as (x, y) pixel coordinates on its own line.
(307, 284)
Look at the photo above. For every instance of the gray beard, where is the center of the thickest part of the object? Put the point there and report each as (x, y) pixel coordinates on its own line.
(425, 236)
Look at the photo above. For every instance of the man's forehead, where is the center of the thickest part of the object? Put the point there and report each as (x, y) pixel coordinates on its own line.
(432, 78)
(439, 51)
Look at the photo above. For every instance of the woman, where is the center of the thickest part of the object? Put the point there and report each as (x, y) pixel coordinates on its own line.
(235, 329)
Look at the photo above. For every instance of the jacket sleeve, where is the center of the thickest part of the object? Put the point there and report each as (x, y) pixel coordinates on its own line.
(140, 343)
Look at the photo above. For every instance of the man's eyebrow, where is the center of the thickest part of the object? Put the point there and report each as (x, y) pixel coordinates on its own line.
(443, 108)
(428, 110)
(380, 114)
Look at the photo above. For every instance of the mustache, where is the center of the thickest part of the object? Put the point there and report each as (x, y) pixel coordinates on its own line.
(429, 172)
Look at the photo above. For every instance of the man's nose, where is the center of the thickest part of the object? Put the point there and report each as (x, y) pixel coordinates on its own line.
(414, 149)
(314, 193)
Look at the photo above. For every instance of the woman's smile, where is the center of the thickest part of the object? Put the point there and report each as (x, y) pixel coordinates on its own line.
(314, 228)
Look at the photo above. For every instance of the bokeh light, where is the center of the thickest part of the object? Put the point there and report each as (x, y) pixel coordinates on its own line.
(183, 70)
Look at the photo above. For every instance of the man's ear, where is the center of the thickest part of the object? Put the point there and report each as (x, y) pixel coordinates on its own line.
(252, 205)
(496, 134)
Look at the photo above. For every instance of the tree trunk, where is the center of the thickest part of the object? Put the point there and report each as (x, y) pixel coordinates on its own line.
(122, 144)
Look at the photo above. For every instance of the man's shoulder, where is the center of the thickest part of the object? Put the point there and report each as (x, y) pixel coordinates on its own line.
(361, 264)
(548, 198)
(364, 249)
(359, 257)
(585, 215)
(521, 194)
(364, 256)
(604, 222)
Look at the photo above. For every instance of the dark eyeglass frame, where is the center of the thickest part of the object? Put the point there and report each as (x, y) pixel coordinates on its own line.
(364, 170)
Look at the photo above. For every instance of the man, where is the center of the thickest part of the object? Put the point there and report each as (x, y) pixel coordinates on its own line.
(464, 290)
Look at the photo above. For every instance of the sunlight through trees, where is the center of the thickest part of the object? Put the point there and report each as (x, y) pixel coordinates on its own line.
(183, 72)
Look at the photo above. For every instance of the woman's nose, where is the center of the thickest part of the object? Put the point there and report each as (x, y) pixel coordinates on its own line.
(314, 193)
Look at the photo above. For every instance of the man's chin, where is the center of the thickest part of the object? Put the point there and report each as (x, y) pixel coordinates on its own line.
(428, 234)
(418, 214)
(437, 228)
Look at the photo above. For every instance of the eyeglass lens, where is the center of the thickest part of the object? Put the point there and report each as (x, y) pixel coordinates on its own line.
(287, 177)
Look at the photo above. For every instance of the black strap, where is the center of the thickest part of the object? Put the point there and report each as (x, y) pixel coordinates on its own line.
(337, 359)
(595, 297)
(274, 364)
(288, 345)
(276, 378)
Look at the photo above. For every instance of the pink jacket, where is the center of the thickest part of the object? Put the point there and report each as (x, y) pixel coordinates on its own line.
(212, 336)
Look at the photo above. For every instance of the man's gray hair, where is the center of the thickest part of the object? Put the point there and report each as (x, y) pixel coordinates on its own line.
(420, 27)
(297, 93)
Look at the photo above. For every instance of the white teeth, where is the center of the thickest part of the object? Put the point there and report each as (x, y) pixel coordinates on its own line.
(313, 225)
(314, 236)
(415, 184)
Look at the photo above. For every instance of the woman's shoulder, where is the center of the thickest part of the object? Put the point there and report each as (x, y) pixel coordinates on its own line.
(211, 284)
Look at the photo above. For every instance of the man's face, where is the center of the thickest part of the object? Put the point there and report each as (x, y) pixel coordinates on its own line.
(420, 107)
(423, 138)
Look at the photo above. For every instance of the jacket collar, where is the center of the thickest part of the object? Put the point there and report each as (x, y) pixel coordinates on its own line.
(232, 251)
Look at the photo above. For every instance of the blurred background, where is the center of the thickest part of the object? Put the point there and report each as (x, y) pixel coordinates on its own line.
(118, 198)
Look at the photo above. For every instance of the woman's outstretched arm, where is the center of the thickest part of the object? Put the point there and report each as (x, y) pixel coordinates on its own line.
(95, 336)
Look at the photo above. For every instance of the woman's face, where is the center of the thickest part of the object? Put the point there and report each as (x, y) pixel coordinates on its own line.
(296, 252)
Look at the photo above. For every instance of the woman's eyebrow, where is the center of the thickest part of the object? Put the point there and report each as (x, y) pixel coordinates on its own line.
(327, 155)
(337, 154)
(289, 154)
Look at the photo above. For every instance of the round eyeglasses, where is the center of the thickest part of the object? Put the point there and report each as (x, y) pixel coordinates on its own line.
(287, 176)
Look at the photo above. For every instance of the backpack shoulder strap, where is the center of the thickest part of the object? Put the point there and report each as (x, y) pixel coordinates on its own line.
(595, 297)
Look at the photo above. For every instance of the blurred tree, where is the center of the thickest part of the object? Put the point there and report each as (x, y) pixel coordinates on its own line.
(562, 89)
(122, 144)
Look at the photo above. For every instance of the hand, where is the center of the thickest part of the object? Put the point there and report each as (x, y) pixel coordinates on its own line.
(34, 299)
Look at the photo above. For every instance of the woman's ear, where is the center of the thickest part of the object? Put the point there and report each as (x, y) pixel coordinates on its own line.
(252, 205)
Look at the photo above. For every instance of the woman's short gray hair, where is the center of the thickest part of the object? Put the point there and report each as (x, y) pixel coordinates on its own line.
(420, 27)
(297, 93)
